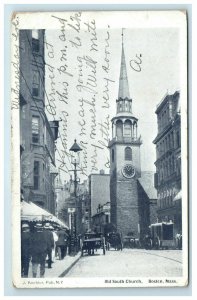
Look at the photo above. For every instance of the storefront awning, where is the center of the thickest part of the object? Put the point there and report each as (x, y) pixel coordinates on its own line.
(33, 213)
(178, 196)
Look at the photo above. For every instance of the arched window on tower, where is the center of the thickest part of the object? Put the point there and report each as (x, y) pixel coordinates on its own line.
(128, 153)
(119, 129)
(127, 128)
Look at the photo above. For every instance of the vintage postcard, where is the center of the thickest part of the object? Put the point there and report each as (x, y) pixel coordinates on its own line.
(99, 149)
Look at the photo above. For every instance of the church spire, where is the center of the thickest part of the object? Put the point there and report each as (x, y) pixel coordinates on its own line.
(123, 80)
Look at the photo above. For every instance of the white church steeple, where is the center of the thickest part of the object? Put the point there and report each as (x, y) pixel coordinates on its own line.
(123, 80)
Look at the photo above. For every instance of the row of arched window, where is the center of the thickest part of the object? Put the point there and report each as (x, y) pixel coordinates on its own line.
(167, 143)
(166, 202)
(125, 129)
(163, 119)
(165, 198)
(170, 142)
(167, 167)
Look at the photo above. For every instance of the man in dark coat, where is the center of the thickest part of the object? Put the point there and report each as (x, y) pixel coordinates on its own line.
(61, 243)
(50, 242)
(39, 250)
(25, 249)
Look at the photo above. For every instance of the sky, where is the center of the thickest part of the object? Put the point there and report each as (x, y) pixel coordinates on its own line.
(83, 57)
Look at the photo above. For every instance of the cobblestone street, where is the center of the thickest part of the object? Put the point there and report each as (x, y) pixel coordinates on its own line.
(130, 262)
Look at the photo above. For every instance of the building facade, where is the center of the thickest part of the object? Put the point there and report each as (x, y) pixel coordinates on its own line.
(130, 204)
(168, 161)
(67, 204)
(101, 218)
(37, 133)
(98, 195)
(62, 191)
(84, 207)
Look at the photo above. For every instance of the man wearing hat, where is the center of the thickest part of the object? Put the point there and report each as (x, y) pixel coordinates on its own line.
(25, 249)
(61, 243)
(50, 242)
(39, 249)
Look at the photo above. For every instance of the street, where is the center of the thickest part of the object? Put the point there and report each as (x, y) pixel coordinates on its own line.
(129, 262)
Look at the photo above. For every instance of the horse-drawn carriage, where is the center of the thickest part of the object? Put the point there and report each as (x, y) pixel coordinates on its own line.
(161, 236)
(113, 240)
(92, 242)
(131, 242)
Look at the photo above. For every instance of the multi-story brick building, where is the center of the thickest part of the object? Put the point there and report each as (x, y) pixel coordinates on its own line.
(99, 190)
(168, 160)
(101, 218)
(37, 133)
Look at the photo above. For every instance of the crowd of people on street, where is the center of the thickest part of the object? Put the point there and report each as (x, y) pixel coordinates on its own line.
(41, 245)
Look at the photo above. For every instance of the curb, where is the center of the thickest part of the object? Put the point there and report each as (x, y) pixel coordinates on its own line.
(70, 267)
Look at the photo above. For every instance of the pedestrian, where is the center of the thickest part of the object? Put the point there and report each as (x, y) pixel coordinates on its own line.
(147, 242)
(69, 242)
(66, 242)
(25, 249)
(55, 238)
(50, 243)
(61, 243)
(57, 228)
(39, 250)
(179, 240)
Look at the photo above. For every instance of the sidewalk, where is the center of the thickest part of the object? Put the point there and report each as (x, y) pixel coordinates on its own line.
(59, 268)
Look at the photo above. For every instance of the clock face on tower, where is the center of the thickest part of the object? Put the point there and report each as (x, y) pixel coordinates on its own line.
(128, 171)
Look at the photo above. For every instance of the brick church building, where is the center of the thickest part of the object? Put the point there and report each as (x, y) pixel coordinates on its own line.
(132, 193)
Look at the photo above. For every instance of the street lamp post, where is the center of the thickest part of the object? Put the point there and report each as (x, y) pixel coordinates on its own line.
(75, 160)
